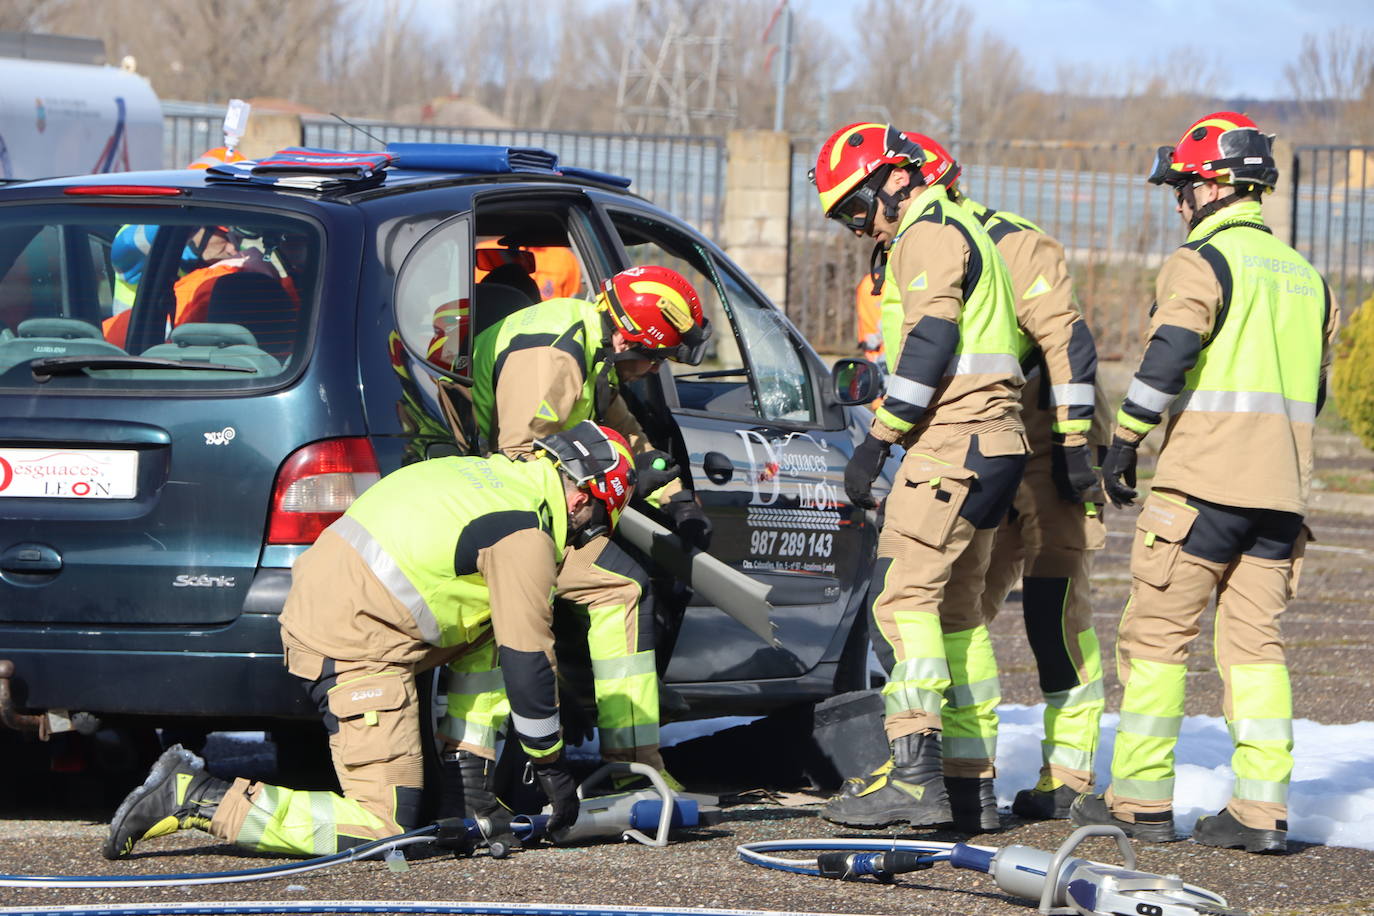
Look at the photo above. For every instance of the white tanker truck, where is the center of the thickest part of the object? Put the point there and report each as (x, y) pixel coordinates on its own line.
(64, 112)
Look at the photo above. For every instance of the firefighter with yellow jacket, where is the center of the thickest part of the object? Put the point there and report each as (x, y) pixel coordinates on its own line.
(952, 402)
(1048, 538)
(1238, 349)
(545, 368)
(446, 560)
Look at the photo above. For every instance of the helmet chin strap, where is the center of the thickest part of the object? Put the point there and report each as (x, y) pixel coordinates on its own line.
(1206, 210)
(892, 202)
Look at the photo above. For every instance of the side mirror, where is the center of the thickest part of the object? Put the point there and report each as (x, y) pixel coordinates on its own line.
(857, 381)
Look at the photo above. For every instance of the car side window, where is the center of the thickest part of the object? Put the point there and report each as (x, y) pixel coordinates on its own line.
(772, 382)
(433, 296)
(780, 374)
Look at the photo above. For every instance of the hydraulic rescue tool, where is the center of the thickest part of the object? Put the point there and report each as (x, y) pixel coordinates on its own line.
(1059, 881)
(626, 815)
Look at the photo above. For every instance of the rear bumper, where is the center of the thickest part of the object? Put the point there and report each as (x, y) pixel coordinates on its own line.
(234, 672)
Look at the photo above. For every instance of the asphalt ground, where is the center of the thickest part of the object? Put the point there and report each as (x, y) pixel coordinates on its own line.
(1329, 630)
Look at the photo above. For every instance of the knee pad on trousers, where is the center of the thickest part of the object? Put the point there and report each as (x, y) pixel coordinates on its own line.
(1043, 607)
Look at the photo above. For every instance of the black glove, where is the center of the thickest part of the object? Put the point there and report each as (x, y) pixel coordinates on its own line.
(654, 469)
(1071, 466)
(1118, 472)
(561, 790)
(689, 519)
(863, 468)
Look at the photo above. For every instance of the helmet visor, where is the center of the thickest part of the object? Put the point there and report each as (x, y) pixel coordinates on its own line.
(1164, 170)
(856, 209)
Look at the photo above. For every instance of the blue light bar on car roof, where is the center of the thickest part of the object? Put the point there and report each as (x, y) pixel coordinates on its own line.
(483, 159)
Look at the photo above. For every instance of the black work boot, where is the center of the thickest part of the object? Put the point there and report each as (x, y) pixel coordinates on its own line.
(465, 786)
(177, 795)
(1049, 800)
(1148, 828)
(1222, 829)
(973, 803)
(912, 791)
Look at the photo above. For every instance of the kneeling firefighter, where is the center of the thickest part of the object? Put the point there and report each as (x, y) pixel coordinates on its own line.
(451, 560)
(548, 367)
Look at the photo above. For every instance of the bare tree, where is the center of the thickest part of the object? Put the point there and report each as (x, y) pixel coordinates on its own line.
(1333, 81)
(29, 15)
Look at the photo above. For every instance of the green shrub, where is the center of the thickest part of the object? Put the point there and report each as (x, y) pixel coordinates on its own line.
(1353, 375)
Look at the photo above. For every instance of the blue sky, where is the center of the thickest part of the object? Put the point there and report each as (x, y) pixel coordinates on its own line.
(1249, 41)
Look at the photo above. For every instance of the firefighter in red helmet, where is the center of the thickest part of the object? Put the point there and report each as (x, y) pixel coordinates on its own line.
(952, 403)
(1237, 353)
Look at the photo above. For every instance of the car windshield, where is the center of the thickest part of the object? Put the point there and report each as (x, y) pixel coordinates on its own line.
(103, 295)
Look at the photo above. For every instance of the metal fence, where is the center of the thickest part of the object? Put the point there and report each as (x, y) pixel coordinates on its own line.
(1115, 227)
(189, 129)
(684, 175)
(1333, 217)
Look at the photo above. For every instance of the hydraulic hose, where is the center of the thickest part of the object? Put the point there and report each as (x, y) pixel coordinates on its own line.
(848, 858)
(228, 908)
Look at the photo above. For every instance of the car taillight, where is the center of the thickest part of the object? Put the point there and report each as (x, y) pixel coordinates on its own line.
(315, 485)
(123, 190)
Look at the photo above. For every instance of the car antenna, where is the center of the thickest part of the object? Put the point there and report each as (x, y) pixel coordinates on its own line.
(360, 130)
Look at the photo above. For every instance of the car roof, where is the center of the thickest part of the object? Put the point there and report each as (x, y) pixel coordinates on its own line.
(437, 165)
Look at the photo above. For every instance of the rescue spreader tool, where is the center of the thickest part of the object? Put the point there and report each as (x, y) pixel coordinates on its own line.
(1063, 884)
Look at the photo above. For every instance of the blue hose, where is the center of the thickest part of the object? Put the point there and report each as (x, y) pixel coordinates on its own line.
(756, 853)
(377, 906)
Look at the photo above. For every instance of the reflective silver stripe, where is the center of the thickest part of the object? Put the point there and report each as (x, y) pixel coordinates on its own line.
(1091, 692)
(258, 817)
(1149, 397)
(1261, 790)
(1247, 402)
(899, 697)
(1247, 730)
(609, 669)
(390, 575)
(904, 389)
(1075, 394)
(984, 691)
(461, 731)
(984, 364)
(965, 748)
(1144, 789)
(326, 834)
(924, 670)
(645, 735)
(535, 728)
(1150, 726)
(475, 682)
(1071, 758)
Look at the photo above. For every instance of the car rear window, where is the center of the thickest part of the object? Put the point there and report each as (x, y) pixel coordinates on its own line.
(101, 295)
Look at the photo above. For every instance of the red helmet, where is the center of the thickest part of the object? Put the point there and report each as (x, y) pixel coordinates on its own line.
(220, 155)
(1225, 147)
(939, 166)
(657, 310)
(597, 459)
(847, 163)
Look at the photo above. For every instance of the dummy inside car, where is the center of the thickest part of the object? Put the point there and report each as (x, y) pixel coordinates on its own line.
(199, 375)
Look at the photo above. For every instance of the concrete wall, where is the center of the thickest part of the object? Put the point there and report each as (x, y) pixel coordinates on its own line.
(270, 131)
(754, 232)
